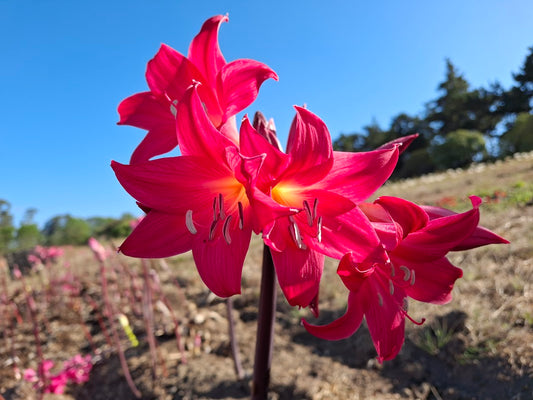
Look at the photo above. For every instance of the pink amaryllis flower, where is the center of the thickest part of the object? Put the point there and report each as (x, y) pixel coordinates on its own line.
(411, 263)
(226, 89)
(195, 201)
(322, 186)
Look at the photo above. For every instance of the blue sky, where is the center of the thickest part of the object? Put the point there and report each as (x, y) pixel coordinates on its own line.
(66, 65)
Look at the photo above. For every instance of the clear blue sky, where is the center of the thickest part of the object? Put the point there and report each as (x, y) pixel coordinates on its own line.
(66, 65)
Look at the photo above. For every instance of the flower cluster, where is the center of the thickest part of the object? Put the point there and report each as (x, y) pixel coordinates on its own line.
(307, 202)
(44, 255)
(75, 370)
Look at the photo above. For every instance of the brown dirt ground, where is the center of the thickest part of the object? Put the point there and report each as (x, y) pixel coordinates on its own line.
(479, 346)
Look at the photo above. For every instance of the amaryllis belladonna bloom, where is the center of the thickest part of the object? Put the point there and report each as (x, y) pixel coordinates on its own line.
(412, 263)
(226, 89)
(195, 201)
(322, 185)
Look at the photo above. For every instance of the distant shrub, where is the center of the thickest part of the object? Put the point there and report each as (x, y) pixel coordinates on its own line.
(459, 149)
(520, 137)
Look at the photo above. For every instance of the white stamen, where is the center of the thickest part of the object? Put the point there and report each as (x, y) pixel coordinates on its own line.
(173, 108)
(215, 210)
(412, 277)
(391, 287)
(225, 230)
(189, 223)
(406, 271)
(212, 229)
(319, 230)
(241, 215)
(315, 208)
(295, 233)
(308, 213)
(380, 299)
(405, 305)
(221, 206)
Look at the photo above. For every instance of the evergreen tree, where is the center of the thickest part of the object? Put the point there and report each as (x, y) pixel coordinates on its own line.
(7, 229)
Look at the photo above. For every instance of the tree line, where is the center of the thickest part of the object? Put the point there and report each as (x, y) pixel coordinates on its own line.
(58, 230)
(461, 126)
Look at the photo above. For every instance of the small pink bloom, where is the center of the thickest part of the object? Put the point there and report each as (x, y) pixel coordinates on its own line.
(225, 89)
(30, 375)
(77, 369)
(99, 251)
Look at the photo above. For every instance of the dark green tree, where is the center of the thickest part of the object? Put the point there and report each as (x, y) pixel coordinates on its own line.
(65, 229)
(459, 149)
(7, 230)
(519, 137)
(28, 234)
(448, 112)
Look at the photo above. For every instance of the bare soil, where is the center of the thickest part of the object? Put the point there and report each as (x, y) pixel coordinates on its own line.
(479, 346)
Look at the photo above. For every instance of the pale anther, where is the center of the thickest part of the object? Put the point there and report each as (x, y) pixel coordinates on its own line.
(315, 208)
(215, 210)
(308, 213)
(380, 299)
(189, 223)
(225, 230)
(412, 277)
(221, 206)
(295, 233)
(212, 229)
(173, 108)
(392, 270)
(406, 271)
(319, 230)
(391, 287)
(241, 215)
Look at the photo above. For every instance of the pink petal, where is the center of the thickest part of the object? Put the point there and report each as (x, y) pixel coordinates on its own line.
(388, 231)
(343, 327)
(174, 184)
(229, 129)
(480, 237)
(384, 316)
(349, 232)
(145, 111)
(402, 143)
(439, 236)
(158, 235)
(266, 212)
(309, 144)
(357, 176)
(204, 51)
(196, 133)
(239, 83)
(252, 144)
(170, 73)
(219, 263)
(409, 215)
(245, 169)
(432, 281)
(299, 272)
(354, 274)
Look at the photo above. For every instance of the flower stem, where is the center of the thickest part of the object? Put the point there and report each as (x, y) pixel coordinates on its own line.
(265, 328)
(233, 340)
